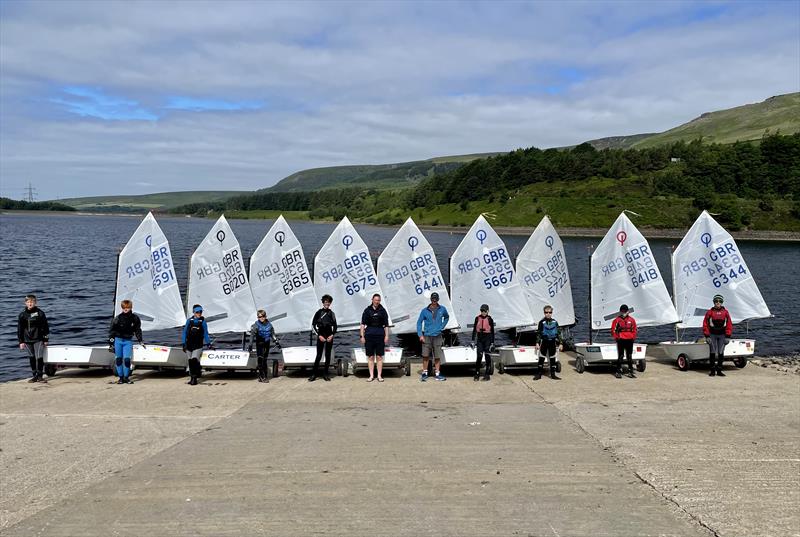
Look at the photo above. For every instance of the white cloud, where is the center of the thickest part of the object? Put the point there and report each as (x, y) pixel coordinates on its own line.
(361, 82)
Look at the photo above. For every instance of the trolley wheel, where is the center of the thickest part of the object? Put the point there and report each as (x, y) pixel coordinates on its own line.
(408, 367)
(501, 368)
(275, 373)
(339, 371)
(580, 364)
(740, 362)
(558, 366)
(683, 362)
(50, 369)
(641, 365)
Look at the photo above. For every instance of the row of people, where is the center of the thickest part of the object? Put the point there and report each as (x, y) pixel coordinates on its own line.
(33, 333)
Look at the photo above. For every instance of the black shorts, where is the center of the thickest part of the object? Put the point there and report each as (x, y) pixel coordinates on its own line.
(374, 345)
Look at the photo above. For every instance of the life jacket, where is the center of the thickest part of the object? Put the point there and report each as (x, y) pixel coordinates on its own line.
(549, 329)
(264, 330)
(194, 333)
(482, 325)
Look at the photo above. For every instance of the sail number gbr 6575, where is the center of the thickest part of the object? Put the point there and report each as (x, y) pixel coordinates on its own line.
(494, 265)
(230, 273)
(355, 272)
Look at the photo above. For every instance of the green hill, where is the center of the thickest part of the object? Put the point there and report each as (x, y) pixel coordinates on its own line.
(147, 202)
(372, 176)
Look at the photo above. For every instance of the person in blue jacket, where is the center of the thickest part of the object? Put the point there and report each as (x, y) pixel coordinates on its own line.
(262, 333)
(195, 333)
(432, 320)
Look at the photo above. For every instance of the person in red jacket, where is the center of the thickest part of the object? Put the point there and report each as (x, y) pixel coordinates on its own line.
(624, 330)
(717, 327)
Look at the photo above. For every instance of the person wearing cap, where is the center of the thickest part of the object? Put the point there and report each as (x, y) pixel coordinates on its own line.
(375, 335)
(262, 333)
(717, 327)
(325, 326)
(195, 333)
(548, 336)
(483, 329)
(624, 331)
(430, 323)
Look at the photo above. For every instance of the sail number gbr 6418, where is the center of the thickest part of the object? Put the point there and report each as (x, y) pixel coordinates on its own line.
(230, 273)
(638, 263)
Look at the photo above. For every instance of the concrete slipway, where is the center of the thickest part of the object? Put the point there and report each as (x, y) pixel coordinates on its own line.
(669, 453)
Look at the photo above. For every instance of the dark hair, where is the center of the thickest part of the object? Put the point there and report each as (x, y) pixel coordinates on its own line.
(30, 297)
(376, 295)
(327, 298)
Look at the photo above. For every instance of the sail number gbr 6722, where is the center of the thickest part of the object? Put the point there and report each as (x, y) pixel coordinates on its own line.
(494, 265)
(230, 273)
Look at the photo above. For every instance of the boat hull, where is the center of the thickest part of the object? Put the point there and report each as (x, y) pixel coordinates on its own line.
(78, 356)
(738, 351)
(158, 356)
(392, 358)
(606, 354)
(522, 356)
(228, 359)
(459, 355)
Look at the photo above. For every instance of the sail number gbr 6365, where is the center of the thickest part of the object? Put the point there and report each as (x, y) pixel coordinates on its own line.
(230, 273)
(291, 270)
(494, 265)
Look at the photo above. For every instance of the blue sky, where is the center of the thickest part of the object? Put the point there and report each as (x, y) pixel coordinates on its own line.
(110, 97)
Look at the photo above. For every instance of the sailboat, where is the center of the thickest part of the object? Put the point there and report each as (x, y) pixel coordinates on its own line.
(408, 273)
(281, 282)
(481, 272)
(708, 262)
(543, 274)
(218, 282)
(146, 276)
(624, 271)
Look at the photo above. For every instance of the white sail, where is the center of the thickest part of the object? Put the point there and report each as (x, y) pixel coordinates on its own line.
(543, 274)
(481, 272)
(146, 276)
(624, 271)
(408, 273)
(343, 269)
(218, 282)
(708, 262)
(281, 280)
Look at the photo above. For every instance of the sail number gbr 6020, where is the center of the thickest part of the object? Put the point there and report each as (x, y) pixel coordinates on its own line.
(494, 265)
(230, 273)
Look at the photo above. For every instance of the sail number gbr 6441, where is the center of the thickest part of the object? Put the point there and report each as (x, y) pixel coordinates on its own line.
(230, 273)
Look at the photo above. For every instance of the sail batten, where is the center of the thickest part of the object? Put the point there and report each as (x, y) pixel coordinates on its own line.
(481, 272)
(624, 271)
(218, 282)
(146, 276)
(408, 273)
(708, 262)
(281, 280)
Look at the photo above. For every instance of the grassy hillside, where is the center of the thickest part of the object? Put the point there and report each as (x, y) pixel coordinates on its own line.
(749, 122)
(371, 176)
(145, 202)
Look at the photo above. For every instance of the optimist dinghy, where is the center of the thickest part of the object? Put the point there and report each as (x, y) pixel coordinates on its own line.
(481, 272)
(146, 276)
(542, 272)
(218, 282)
(708, 262)
(343, 269)
(408, 273)
(281, 283)
(624, 271)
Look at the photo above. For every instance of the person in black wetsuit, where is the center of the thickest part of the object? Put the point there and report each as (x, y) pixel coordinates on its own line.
(195, 333)
(483, 330)
(124, 327)
(324, 325)
(262, 333)
(33, 332)
(548, 335)
(375, 335)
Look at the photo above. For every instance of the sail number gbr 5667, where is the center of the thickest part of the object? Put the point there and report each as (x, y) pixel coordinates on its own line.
(230, 273)
(494, 265)
(355, 272)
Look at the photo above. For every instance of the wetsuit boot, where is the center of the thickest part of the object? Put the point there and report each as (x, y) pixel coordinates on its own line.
(711, 359)
(720, 357)
(553, 369)
(538, 374)
(487, 373)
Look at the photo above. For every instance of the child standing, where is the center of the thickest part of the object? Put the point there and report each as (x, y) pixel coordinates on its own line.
(32, 334)
(124, 327)
(483, 329)
(548, 334)
(195, 333)
(261, 333)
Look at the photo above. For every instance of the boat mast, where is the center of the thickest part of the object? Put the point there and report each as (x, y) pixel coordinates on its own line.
(674, 288)
(591, 248)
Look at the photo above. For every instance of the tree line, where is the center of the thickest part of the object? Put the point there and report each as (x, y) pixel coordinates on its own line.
(703, 172)
(20, 205)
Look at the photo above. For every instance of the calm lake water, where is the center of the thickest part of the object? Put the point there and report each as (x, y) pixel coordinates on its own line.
(68, 261)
